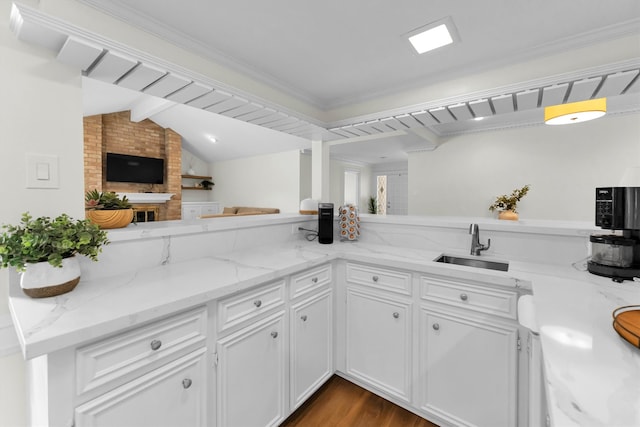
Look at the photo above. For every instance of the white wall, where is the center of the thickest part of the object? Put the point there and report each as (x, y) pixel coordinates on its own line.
(268, 181)
(41, 113)
(200, 167)
(563, 165)
(337, 168)
(305, 176)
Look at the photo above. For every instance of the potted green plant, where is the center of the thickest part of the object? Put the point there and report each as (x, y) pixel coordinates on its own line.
(107, 209)
(206, 184)
(373, 205)
(507, 204)
(43, 251)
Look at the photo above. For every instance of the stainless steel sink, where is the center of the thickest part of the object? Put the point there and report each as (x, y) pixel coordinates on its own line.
(473, 262)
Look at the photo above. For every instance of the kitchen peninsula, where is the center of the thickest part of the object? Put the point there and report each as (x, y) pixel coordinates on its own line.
(218, 290)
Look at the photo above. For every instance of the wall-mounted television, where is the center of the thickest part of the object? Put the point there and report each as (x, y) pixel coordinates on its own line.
(125, 168)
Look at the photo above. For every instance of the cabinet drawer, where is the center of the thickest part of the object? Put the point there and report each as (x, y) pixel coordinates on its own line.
(310, 280)
(388, 280)
(473, 297)
(240, 308)
(135, 352)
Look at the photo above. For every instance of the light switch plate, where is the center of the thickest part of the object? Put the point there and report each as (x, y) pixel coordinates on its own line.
(42, 171)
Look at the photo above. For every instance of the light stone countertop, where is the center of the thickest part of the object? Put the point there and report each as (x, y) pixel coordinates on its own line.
(593, 376)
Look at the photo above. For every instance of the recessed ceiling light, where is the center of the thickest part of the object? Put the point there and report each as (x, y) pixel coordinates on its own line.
(212, 138)
(431, 39)
(478, 118)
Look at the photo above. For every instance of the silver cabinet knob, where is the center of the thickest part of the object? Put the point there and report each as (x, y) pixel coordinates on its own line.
(396, 315)
(464, 297)
(257, 303)
(374, 278)
(314, 280)
(186, 383)
(274, 334)
(436, 326)
(156, 344)
(303, 317)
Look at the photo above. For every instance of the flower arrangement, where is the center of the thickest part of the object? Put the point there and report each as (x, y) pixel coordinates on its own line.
(44, 239)
(509, 202)
(96, 200)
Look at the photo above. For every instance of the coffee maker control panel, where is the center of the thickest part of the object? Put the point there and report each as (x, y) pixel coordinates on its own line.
(610, 208)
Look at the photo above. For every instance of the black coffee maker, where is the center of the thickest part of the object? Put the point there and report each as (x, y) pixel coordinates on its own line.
(617, 255)
(325, 222)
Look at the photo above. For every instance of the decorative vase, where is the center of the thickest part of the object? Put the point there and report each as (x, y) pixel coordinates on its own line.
(508, 215)
(41, 279)
(349, 222)
(116, 218)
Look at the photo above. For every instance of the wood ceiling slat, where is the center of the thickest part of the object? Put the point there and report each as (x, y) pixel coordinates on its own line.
(409, 121)
(189, 92)
(208, 99)
(227, 104)
(442, 115)
(481, 108)
(527, 99)
(461, 111)
(243, 109)
(614, 84)
(111, 67)
(554, 95)
(78, 53)
(141, 76)
(584, 89)
(503, 104)
(167, 85)
(425, 118)
(392, 123)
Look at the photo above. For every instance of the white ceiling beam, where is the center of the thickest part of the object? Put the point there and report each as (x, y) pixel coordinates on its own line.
(148, 107)
(442, 115)
(275, 116)
(248, 117)
(288, 123)
(189, 92)
(614, 84)
(584, 89)
(166, 85)
(425, 118)
(409, 121)
(503, 104)
(356, 131)
(243, 109)
(527, 100)
(554, 95)
(370, 127)
(141, 76)
(111, 67)
(79, 53)
(392, 123)
(227, 104)
(461, 111)
(481, 108)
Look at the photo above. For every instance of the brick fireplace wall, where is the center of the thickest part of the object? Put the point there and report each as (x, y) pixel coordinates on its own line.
(116, 133)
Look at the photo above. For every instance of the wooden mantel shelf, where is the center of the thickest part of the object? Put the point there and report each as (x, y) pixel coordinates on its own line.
(196, 177)
(194, 188)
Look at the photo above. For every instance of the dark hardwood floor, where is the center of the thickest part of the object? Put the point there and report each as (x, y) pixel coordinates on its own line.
(340, 403)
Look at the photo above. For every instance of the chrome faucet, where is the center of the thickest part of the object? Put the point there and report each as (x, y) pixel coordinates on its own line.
(476, 246)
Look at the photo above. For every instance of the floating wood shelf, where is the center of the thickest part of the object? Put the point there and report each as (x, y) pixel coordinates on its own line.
(195, 188)
(196, 177)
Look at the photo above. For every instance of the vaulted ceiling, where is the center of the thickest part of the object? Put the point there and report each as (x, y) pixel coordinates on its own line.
(351, 68)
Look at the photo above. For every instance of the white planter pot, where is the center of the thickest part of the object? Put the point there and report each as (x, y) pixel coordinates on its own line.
(42, 280)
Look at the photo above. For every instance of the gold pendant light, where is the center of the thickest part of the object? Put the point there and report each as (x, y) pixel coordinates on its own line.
(575, 112)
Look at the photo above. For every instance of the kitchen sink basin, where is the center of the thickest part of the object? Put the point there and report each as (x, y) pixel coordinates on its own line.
(473, 262)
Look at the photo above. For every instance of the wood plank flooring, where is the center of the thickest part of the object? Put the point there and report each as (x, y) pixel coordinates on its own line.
(340, 403)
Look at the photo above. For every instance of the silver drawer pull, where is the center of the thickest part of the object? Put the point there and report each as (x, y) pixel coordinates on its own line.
(314, 280)
(186, 383)
(374, 278)
(464, 297)
(303, 317)
(436, 326)
(274, 334)
(156, 344)
(396, 315)
(257, 303)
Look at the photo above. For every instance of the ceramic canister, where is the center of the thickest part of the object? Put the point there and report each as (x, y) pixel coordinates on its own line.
(349, 222)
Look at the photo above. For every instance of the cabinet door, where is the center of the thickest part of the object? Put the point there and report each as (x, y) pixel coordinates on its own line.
(210, 208)
(251, 375)
(173, 395)
(311, 346)
(468, 369)
(191, 211)
(378, 342)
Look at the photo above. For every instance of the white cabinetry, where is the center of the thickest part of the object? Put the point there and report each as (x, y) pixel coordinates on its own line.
(311, 324)
(378, 329)
(192, 210)
(468, 362)
(251, 374)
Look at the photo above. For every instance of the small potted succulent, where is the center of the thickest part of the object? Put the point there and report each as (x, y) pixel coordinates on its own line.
(506, 204)
(43, 251)
(107, 209)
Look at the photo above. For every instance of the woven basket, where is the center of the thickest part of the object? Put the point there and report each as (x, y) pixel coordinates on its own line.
(106, 219)
(42, 280)
(626, 322)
